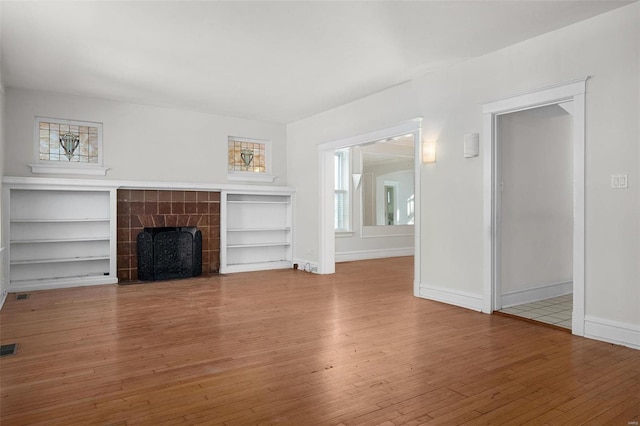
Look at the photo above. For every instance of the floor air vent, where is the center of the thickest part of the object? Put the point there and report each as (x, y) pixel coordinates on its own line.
(9, 349)
(22, 296)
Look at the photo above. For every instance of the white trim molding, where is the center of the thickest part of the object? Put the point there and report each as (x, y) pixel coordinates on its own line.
(350, 256)
(452, 297)
(83, 184)
(549, 95)
(533, 294)
(345, 234)
(571, 91)
(63, 283)
(616, 332)
(326, 228)
(407, 127)
(249, 177)
(68, 169)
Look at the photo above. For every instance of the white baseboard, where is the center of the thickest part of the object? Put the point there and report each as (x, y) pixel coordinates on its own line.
(61, 283)
(533, 294)
(452, 297)
(616, 332)
(349, 256)
(4, 281)
(249, 267)
(306, 265)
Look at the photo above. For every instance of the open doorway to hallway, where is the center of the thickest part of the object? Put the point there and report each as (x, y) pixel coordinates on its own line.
(535, 213)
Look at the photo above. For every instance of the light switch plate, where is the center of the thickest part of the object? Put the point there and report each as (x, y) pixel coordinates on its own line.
(619, 181)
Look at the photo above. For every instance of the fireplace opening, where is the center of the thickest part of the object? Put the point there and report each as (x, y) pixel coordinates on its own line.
(169, 252)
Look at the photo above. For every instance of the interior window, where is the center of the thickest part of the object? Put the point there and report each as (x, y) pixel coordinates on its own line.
(342, 196)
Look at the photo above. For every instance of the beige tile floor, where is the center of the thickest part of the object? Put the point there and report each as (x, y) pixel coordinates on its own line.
(556, 311)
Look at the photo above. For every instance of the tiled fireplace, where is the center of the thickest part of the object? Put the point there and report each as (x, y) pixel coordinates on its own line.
(138, 209)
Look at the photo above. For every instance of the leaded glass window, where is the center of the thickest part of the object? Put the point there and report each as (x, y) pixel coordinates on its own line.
(249, 160)
(247, 155)
(68, 141)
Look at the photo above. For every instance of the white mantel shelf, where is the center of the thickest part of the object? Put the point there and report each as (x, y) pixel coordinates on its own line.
(31, 182)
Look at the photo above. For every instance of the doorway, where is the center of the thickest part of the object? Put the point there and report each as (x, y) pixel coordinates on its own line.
(326, 156)
(573, 92)
(534, 206)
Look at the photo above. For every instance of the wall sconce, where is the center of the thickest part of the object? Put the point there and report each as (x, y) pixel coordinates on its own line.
(428, 152)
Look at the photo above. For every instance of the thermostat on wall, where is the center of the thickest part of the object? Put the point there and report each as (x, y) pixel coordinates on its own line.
(471, 145)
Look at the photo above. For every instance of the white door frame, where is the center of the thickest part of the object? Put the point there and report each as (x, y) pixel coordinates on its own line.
(571, 91)
(327, 249)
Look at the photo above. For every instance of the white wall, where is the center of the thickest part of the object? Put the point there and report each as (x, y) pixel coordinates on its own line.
(536, 215)
(606, 48)
(140, 142)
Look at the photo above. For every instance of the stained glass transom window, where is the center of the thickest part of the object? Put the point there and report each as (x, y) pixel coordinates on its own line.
(69, 141)
(247, 155)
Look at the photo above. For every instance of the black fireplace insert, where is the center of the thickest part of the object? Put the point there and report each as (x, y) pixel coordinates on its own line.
(169, 252)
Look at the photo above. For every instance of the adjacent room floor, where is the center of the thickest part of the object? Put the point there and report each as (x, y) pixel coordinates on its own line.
(555, 311)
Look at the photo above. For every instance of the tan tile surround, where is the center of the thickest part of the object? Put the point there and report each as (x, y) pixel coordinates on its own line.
(138, 209)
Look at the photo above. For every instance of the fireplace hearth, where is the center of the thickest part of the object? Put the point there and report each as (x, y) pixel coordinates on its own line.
(166, 253)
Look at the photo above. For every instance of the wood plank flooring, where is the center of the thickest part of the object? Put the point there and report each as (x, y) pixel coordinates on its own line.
(289, 347)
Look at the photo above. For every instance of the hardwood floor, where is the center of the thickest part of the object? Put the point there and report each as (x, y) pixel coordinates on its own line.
(291, 347)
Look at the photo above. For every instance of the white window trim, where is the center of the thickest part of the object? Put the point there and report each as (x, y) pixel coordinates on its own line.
(349, 229)
(66, 168)
(239, 176)
(344, 234)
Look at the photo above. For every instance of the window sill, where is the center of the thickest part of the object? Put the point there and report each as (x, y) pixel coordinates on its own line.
(68, 170)
(249, 177)
(344, 234)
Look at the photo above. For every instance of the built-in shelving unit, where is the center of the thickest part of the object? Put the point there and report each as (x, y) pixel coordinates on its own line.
(61, 232)
(60, 237)
(256, 231)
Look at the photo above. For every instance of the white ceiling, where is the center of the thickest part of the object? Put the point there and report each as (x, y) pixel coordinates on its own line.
(268, 60)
